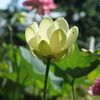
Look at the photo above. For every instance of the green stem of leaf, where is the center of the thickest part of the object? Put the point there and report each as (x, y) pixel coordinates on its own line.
(46, 79)
(73, 91)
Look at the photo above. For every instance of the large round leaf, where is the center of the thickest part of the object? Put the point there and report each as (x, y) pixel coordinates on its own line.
(79, 63)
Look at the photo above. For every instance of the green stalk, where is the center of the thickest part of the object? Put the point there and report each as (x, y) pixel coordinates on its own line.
(46, 78)
(73, 91)
(14, 63)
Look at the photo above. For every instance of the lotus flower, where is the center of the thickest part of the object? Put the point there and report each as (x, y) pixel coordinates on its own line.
(43, 6)
(95, 89)
(51, 39)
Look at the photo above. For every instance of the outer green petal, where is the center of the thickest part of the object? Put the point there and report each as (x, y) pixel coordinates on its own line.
(44, 48)
(44, 25)
(72, 36)
(36, 53)
(64, 53)
(33, 43)
(70, 51)
(61, 54)
(58, 40)
(60, 23)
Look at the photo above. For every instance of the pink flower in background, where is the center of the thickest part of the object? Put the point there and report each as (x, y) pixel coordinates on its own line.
(31, 4)
(43, 6)
(95, 89)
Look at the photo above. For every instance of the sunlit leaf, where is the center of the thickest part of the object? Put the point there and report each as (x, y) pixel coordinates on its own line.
(79, 63)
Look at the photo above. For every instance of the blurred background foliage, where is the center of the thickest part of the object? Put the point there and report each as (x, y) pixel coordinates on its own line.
(22, 75)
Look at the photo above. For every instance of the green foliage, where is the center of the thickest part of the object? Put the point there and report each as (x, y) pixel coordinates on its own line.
(22, 70)
(79, 63)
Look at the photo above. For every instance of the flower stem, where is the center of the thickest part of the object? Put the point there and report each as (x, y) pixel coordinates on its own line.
(46, 78)
(73, 91)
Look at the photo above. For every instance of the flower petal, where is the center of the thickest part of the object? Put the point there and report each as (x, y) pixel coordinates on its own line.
(63, 24)
(33, 43)
(34, 27)
(60, 23)
(51, 29)
(58, 40)
(70, 51)
(31, 31)
(72, 36)
(36, 53)
(61, 54)
(44, 25)
(29, 34)
(44, 48)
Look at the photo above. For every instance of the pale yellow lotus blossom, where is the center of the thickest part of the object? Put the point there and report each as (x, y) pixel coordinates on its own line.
(51, 39)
